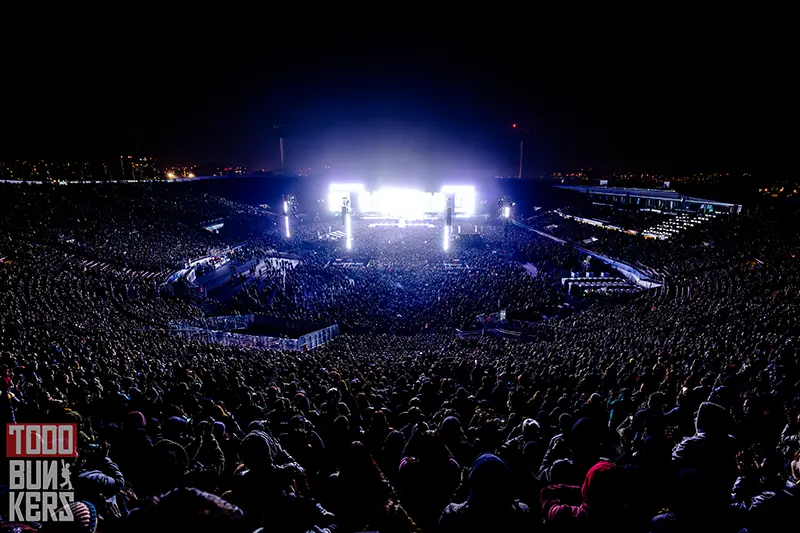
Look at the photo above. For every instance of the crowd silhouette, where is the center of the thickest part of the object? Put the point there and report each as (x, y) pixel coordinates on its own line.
(676, 409)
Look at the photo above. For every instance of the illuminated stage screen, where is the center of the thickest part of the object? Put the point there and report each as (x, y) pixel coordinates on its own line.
(402, 203)
(464, 204)
(337, 191)
(335, 200)
(399, 202)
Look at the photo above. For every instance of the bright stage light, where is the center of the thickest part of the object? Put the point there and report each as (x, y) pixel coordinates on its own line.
(464, 204)
(401, 203)
(335, 200)
(337, 191)
(507, 211)
(464, 199)
(350, 187)
(286, 220)
(405, 203)
(286, 207)
(446, 239)
(366, 203)
(458, 188)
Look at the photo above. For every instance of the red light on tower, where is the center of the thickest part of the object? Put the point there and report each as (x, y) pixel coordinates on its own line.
(513, 125)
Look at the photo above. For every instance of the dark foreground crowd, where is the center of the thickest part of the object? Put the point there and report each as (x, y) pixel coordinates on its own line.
(677, 410)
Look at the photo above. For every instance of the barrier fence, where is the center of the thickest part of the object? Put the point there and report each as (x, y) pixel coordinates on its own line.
(227, 330)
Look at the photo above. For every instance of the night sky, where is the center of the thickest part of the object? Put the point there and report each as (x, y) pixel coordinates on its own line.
(397, 104)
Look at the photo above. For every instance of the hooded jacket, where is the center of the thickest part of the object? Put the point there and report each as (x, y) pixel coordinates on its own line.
(711, 449)
(491, 505)
(602, 508)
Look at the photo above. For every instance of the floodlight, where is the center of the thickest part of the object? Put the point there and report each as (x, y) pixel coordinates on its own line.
(507, 211)
(286, 219)
(446, 240)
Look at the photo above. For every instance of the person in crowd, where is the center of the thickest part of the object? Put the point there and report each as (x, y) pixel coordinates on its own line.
(491, 504)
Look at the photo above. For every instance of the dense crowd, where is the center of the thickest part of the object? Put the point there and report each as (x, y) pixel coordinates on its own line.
(675, 410)
(390, 291)
(137, 226)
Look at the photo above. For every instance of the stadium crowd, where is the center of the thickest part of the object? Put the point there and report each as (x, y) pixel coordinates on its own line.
(675, 410)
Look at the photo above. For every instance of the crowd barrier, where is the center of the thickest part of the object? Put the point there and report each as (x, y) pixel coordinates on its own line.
(227, 330)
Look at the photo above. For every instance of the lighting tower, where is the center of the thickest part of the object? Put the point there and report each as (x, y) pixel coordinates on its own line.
(290, 205)
(517, 128)
(348, 228)
(504, 206)
(289, 209)
(448, 221)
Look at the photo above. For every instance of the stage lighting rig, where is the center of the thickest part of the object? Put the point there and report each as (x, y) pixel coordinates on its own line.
(290, 205)
(504, 206)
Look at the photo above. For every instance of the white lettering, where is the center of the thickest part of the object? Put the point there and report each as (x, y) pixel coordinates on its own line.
(50, 446)
(33, 443)
(33, 476)
(15, 507)
(49, 506)
(65, 440)
(65, 515)
(17, 468)
(49, 475)
(32, 501)
(16, 431)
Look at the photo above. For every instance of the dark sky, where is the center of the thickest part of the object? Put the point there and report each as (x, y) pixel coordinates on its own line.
(395, 104)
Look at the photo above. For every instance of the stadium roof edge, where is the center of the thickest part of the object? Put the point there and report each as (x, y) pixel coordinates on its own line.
(655, 194)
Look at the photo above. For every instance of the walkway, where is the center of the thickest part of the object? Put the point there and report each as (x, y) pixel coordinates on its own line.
(634, 275)
(100, 266)
(532, 270)
(543, 234)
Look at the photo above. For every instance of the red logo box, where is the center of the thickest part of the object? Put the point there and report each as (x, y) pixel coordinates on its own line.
(41, 441)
